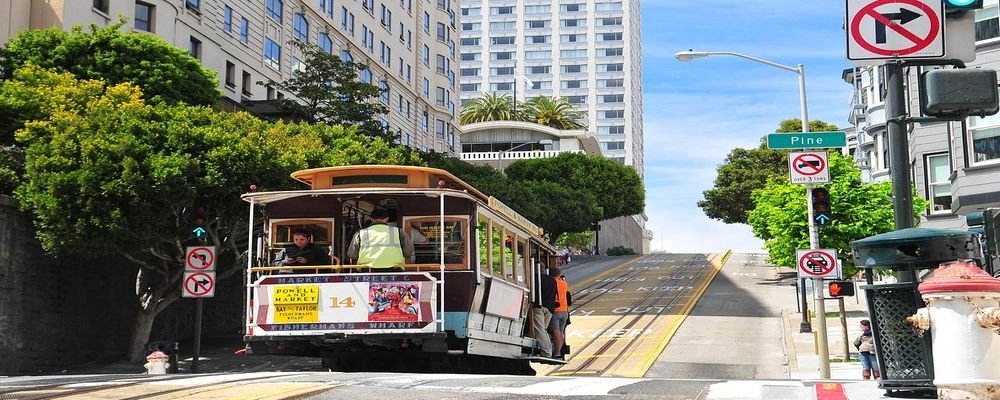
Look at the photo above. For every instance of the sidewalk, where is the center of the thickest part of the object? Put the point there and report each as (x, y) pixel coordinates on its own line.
(803, 357)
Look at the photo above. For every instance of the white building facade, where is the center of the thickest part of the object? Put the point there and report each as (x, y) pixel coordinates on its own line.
(246, 41)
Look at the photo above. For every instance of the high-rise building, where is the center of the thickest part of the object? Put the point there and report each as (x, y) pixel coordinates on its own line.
(588, 51)
(247, 41)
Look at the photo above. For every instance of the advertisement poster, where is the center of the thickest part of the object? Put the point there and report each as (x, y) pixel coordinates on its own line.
(393, 302)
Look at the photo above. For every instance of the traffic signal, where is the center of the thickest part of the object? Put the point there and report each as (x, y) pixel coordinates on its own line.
(821, 206)
(840, 288)
(198, 219)
(958, 92)
(955, 7)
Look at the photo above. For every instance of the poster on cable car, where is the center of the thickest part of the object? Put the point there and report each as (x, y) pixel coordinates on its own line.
(359, 303)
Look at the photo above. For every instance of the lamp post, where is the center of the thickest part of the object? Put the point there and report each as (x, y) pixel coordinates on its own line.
(543, 142)
(813, 233)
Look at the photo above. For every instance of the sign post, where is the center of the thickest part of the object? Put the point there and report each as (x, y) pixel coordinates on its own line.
(198, 283)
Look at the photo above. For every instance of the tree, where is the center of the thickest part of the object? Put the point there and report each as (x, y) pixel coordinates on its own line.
(617, 187)
(745, 170)
(489, 107)
(164, 72)
(576, 240)
(554, 112)
(110, 163)
(327, 90)
(859, 210)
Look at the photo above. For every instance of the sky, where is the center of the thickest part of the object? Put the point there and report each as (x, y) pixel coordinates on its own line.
(697, 111)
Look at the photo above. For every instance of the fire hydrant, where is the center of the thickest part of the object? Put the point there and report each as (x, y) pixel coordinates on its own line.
(156, 363)
(963, 315)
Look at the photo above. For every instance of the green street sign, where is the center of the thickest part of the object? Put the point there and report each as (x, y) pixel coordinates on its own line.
(806, 140)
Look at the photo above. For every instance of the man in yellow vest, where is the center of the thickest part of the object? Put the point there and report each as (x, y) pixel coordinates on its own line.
(381, 246)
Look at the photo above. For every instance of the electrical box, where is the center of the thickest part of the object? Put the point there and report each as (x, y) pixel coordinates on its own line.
(958, 93)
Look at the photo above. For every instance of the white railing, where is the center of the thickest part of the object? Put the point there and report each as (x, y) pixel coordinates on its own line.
(514, 155)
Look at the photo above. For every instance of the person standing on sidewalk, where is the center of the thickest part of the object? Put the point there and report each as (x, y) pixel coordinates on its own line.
(866, 351)
(561, 314)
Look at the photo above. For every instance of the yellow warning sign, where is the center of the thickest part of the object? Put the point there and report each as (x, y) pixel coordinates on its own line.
(296, 313)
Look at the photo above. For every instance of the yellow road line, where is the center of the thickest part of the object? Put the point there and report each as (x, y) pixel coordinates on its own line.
(651, 357)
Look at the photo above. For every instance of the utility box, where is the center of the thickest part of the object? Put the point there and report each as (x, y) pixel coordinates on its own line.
(958, 93)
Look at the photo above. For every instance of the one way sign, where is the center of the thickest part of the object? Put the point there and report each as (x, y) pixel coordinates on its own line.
(879, 30)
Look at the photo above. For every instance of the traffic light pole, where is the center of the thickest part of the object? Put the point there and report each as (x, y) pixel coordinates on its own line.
(899, 152)
(821, 340)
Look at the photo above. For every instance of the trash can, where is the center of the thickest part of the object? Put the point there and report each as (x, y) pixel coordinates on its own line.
(905, 358)
(169, 347)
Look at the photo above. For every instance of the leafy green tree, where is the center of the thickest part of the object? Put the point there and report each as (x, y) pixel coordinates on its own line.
(576, 240)
(111, 174)
(489, 107)
(859, 210)
(617, 187)
(745, 170)
(164, 72)
(554, 112)
(327, 90)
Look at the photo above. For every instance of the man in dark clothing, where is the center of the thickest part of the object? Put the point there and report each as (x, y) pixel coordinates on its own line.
(544, 303)
(302, 252)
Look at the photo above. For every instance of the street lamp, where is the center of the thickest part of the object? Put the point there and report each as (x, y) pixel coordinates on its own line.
(813, 234)
(543, 142)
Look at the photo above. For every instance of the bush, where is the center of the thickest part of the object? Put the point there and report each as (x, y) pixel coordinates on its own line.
(620, 251)
(11, 168)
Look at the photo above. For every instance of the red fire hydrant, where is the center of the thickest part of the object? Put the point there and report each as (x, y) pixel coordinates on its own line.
(964, 318)
(156, 363)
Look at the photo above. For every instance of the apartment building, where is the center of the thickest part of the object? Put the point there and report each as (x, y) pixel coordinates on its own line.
(247, 41)
(588, 51)
(955, 165)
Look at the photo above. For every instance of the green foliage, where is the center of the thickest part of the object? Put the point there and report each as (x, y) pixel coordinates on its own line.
(576, 240)
(617, 187)
(859, 210)
(489, 107)
(165, 73)
(554, 112)
(11, 167)
(620, 251)
(745, 170)
(328, 90)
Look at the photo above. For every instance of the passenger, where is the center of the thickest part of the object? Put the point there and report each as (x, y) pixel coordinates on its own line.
(544, 304)
(302, 252)
(561, 314)
(380, 246)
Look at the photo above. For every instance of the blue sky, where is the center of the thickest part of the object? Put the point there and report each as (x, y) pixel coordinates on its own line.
(697, 111)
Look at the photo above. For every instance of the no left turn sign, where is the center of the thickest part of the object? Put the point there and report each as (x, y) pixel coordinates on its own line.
(199, 258)
(809, 167)
(894, 29)
(819, 263)
(198, 284)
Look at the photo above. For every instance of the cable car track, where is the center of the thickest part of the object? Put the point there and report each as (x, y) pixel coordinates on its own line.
(161, 388)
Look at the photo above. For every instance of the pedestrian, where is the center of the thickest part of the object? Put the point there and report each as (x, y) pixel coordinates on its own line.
(302, 251)
(561, 314)
(544, 303)
(866, 351)
(380, 246)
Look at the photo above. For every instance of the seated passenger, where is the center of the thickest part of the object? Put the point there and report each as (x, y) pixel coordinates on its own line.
(303, 252)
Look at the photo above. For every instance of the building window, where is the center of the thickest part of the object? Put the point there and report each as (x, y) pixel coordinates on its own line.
(326, 6)
(571, 23)
(366, 76)
(612, 52)
(570, 69)
(503, 71)
(538, 39)
(101, 5)
(193, 4)
(427, 88)
(985, 135)
(611, 21)
(301, 27)
(573, 7)
(501, 87)
(470, 56)
(470, 87)
(346, 56)
(501, 40)
(274, 10)
(537, 24)
(573, 38)
(502, 55)
(501, 26)
(246, 84)
(440, 95)
(538, 69)
(614, 114)
(227, 19)
(613, 36)
(610, 67)
(439, 128)
(611, 83)
(427, 22)
(938, 183)
(325, 43)
(506, 10)
(230, 74)
(576, 99)
(574, 84)
(614, 145)
(615, 6)
(244, 30)
(988, 21)
(195, 48)
(470, 41)
(272, 53)
(144, 17)
(540, 85)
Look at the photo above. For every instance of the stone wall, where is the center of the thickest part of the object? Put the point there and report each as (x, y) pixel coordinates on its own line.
(621, 231)
(60, 312)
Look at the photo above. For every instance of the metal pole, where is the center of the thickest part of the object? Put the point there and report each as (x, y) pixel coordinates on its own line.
(899, 152)
(197, 335)
(821, 339)
(806, 325)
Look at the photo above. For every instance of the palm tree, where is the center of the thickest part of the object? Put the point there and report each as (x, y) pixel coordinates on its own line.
(489, 107)
(554, 112)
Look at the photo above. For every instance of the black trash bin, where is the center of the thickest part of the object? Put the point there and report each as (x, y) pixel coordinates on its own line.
(170, 348)
(905, 358)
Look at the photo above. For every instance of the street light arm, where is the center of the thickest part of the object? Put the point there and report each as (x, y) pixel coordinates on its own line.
(691, 55)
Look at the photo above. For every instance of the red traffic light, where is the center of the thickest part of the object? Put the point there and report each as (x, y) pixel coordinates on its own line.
(841, 288)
